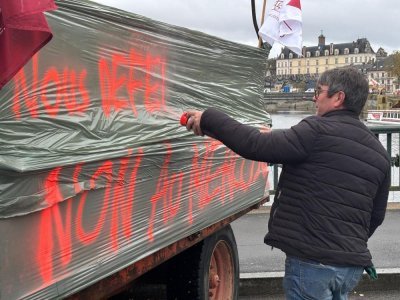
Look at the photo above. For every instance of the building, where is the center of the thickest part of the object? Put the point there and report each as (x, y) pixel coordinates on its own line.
(317, 59)
(378, 73)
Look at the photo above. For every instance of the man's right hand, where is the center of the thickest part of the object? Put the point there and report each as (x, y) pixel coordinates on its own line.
(265, 129)
(193, 122)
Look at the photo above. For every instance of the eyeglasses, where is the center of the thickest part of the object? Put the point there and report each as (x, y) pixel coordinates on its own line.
(319, 91)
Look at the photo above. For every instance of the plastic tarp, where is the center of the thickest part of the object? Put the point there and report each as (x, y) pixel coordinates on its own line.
(95, 171)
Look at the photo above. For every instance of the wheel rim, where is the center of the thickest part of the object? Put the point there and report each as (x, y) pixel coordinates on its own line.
(221, 273)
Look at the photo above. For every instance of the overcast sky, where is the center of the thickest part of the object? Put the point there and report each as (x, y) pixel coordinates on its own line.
(340, 20)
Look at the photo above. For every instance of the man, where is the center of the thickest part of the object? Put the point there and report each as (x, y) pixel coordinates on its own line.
(333, 189)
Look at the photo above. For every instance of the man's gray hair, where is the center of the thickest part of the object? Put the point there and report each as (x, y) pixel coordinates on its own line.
(349, 80)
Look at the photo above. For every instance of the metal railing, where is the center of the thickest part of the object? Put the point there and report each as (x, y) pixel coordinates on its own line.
(389, 136)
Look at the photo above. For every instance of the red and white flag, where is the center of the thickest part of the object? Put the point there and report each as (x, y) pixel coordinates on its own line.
(283, 24)
(23, 31)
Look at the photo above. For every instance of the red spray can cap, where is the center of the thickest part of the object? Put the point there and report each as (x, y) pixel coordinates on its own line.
(184, 119)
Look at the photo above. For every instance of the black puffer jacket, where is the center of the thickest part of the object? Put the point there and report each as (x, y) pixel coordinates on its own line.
(333, 189)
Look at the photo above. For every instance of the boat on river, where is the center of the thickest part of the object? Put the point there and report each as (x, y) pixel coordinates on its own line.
(390, 116)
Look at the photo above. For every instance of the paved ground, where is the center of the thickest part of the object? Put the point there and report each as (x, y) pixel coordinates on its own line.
(255, 256)
(258, 260)
(379, 295)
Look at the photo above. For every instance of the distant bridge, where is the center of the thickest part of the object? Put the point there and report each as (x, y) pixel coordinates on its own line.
(275, 102)
(281, 97)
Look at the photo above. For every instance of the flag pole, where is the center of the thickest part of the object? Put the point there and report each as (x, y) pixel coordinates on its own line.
(262, 21)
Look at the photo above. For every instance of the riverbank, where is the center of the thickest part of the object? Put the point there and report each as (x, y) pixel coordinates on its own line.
(295, 106)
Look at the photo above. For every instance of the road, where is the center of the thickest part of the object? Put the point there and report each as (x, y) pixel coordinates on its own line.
(257, 259)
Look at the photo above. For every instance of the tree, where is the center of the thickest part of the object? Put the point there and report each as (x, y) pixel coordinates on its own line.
(392, 64)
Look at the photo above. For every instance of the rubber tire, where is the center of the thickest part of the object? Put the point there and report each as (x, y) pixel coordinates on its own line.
(188, 272)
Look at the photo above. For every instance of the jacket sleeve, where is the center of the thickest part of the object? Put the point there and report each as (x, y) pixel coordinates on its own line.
(278, 146)
(379, 205)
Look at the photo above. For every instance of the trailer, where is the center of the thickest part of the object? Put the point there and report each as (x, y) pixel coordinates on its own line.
(99, 184)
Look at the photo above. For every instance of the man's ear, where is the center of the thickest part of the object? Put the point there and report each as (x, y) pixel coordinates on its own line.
(339, 99)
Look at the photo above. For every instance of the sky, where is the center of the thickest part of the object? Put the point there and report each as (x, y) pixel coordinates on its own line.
(340, 21)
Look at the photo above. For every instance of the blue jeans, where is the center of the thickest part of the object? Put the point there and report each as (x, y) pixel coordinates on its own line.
(305, 279)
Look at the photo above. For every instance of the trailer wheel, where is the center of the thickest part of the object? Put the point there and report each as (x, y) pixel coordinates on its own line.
(208, 270)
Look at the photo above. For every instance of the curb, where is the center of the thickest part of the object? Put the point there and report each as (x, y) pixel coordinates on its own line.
(270, 283)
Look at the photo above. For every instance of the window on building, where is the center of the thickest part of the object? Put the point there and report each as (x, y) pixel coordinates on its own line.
(351, 60)
(327, 61)
(383, 74)
(317, 62)
(308, 54)
(290, 71)
(356, 59)
(356, 50)
(336, 51)
(308, 62)
(372, 75)
(326, 52)
(317, 53)
(336, 61)
(290, 63)
(282, 56)
(346, 51)
(290, 55)
(308, 70)
(316, 70)
(346, 60)
(298, 71)
(285, 64)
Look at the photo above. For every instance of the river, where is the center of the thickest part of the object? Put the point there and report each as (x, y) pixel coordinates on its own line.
(283, 120)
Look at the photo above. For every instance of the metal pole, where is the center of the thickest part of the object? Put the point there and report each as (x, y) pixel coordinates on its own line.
(262, 21)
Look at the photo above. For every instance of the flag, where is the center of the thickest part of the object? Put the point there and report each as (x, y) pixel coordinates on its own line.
(23, 31)
(283, 24)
